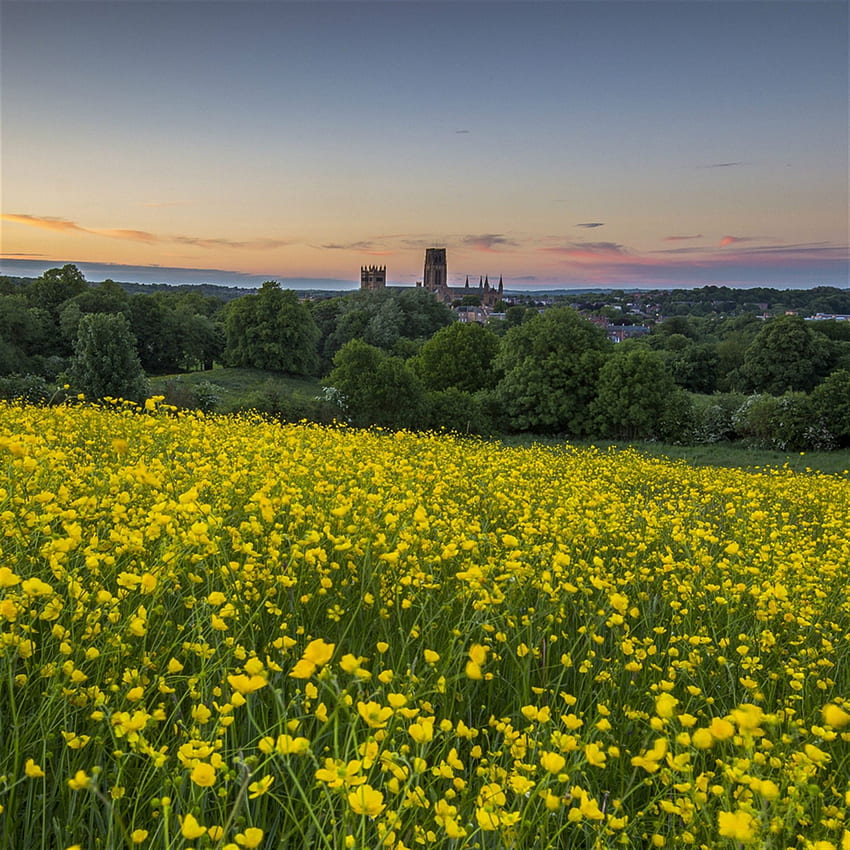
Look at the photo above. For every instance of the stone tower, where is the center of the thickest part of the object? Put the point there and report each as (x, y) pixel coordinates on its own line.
(373, 277)
(435, 269)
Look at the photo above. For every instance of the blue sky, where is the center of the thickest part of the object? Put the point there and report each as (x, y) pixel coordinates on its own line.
(554, 143)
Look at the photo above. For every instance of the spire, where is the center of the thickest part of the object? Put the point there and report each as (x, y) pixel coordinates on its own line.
(481, 283)
(487, 283)
(467, 282)
(500, 285)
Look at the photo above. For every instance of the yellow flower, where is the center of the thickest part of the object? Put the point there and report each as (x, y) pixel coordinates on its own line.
(318, 652)
(478, 654)
(79, 781)
(552, 762)
(721, 730)
(138, 835)
(260, 787)
(203, 774)
(594, 755)
(375, 714)
(365, 800)
(246, 684)
(252, 837)
(8, 578)
(33, 770)
(431, 657)
(835, 716)
(665, 705)
(739, 825)
(190, 828)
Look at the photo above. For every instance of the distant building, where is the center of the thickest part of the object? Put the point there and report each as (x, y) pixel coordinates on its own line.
(619, 333)
(435, 281)
(373, 277)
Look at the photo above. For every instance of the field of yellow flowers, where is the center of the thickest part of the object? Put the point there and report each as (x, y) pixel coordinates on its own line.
(227, 633)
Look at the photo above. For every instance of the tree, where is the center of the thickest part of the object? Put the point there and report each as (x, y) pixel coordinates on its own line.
(373, 388)
(152, 321)
(550, 365)
(785, 355)
(830, 402)
(105, 362)
(695, 368)
(271, 330)
(460, 355)
(633, 391)
(23, 330)
(107, 297)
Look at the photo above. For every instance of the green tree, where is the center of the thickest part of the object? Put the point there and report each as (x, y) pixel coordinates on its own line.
(106, 297)
(152, 321)
(459, 355)
(633, 391)
(23, 331)
(105, 362)
(550, 366)
(786, 355)
(271, 330)
(373, 388)
(830, 404)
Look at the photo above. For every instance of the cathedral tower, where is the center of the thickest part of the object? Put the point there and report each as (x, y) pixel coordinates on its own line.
(435, 269)
(373, 277)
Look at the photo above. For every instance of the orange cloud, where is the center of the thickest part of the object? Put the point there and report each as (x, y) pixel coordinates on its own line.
(65, 226)
(731, 240)
(46, 222)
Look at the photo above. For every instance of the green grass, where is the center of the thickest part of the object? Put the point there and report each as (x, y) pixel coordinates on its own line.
(235, 387)
(733, 455)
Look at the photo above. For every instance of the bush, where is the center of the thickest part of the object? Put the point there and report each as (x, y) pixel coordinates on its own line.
(713, 417)
(30, 388)
(458, 411)
(677, 422)
(775, 422)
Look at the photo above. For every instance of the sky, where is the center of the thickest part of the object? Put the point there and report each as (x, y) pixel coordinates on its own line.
(670, 143)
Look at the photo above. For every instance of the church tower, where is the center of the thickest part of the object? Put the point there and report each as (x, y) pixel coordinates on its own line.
(373, 277)
(435, 270)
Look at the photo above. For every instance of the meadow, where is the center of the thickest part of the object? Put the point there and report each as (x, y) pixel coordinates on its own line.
(228, 633)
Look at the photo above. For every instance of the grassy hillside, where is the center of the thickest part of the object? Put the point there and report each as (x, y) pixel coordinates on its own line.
(237, 388)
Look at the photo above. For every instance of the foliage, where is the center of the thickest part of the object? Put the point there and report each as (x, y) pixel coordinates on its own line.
(271, 330)
(381, 318)
(346, 639)
(550, 366)
(458, 411)
(775, 422)
(632, 392)
(29, 388)
(460, 355)
(830, 405)
(786, 355)
(105, 363)
(374, 388)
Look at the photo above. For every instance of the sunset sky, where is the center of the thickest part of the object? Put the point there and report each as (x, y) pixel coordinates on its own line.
(568, 144)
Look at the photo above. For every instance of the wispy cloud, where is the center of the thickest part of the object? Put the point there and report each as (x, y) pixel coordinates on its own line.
(591, 224)
(580, 251)
(721, 165)
(733, 240)
(63, 225)
(682, 238)
(363, 245)
(488, 242)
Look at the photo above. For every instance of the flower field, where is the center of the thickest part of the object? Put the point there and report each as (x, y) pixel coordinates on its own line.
(225, 633)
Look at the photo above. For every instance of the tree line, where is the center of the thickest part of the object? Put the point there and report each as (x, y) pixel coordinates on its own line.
(398, 358)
